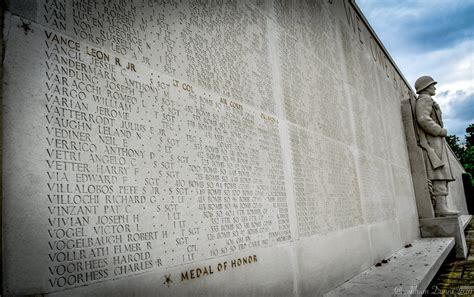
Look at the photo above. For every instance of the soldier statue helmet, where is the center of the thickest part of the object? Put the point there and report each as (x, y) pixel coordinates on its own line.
(431, 135)
(423, 82)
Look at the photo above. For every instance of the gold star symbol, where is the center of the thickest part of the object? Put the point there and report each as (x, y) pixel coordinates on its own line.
(168, 280)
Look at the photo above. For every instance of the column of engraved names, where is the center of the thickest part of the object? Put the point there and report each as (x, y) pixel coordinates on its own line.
(72, 203)
(131, 166)
(166, 177)
(113, 23)
(207, 44)
(95, 205)
(168, 223)
(102, 22)
(129, 28)
(324, 174)
(111, 165)
(238, 175)
(304, 181)
(195, 144)
(124, 154)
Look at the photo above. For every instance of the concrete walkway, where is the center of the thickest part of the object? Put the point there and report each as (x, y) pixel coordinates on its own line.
(456, 277)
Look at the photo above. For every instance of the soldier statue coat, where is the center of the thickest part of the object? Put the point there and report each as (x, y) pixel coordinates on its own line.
(432, 139)
(428, 116)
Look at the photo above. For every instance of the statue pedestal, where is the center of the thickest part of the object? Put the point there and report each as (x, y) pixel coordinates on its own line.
(452, 226)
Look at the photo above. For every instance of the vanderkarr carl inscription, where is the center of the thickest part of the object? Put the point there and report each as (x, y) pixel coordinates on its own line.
(143, 171)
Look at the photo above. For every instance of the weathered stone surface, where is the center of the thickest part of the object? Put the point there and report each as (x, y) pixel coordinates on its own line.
(150, 143)
(408, 271)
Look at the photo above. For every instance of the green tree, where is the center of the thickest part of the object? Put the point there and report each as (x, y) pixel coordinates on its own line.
(468, 162)
(455, 144)
(468, 157)
(464, 152)
(470, 136)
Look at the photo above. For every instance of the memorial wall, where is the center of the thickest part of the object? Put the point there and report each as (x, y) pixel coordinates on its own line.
(223, 148)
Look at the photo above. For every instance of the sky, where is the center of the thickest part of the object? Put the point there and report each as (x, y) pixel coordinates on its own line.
(436, 38)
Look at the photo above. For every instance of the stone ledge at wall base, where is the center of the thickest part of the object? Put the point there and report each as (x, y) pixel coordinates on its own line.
(408, 271)
(452, 226)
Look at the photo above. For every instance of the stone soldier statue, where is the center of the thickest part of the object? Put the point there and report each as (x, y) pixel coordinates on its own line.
(432, 134)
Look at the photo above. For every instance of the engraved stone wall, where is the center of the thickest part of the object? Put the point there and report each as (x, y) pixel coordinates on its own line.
(197, 147)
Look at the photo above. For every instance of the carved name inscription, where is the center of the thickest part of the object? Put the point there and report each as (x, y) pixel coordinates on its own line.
(157, 142)
(147, 171)
(204, 42)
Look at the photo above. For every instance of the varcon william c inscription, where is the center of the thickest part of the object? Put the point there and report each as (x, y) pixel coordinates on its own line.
(142, 170)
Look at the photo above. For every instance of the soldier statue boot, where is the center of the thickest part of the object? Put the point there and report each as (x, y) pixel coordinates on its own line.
(442, 209)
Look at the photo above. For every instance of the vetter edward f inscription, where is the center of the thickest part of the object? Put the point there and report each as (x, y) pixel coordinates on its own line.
(141, 174)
